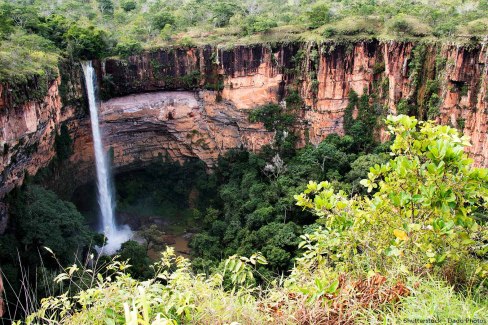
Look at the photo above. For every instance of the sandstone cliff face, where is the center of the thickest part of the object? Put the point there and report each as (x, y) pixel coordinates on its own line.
(27, 136)
(465, 98)
(195, 102)
(140, 128)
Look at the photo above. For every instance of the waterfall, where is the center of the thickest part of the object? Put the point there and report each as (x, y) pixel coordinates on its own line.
(115, 236)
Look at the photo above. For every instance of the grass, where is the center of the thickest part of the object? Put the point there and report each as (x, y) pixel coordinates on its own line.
(429, 299)
(177, 294)
(436, 299)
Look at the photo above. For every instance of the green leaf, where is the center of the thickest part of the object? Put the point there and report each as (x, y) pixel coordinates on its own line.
(333, 287)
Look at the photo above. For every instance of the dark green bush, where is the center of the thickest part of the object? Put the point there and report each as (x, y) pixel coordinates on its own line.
(128, 5)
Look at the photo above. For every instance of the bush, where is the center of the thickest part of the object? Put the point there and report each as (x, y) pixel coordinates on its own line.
(63, 143)
(478, 27)
(128, 48)
(408, 25)
(186, 41)
(106, 7)
(87, 43)
(355, 25)
(421, 216)
(136, 255)
(259, 24)
(128, 5)
(318, 15)
(161, 19)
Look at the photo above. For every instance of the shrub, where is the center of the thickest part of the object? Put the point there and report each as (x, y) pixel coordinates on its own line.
(379, 67)
(408, 25)
(128, 48)
(478, 27)
(356, 25)
(63, 143)
(400, 24)
(87, 43)
(318, 15)
(106, 7)
(174, 295)
(161, 19)
(128, 5)
(186, 41)
(259, 24)
(403, 107)
(421, 216)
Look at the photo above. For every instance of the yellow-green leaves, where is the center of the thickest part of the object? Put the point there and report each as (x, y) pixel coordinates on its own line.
(240, 269)
(400, 234)
(422, 206)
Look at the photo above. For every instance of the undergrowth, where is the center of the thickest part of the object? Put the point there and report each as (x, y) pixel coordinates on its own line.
(411, 249)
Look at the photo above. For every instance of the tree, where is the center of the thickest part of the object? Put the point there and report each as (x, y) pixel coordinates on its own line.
(275, 168)
(401, 25)
(259, 24)
(86, 43)
(106, 7)
(326, 156)
(281, 120)
(153, 236)
(42, 219)
(360, 168)
(362, 127)
(318, 15)
(128, 5)
(161, 19)
(222, 11)
(206, 246)
(127, 48)
(25, 17)
(135, 253)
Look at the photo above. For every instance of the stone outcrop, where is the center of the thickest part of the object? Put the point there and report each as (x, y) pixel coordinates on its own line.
(195, 102)
(140, 128)
(27, 136)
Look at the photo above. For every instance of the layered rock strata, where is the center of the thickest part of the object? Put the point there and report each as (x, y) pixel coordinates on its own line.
(141, 128)
(216, 88)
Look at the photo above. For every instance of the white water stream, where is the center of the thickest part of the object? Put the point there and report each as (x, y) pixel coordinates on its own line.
(115, 235)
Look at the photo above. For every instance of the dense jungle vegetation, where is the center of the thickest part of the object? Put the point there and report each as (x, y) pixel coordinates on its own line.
(245, 205)
(34, 34)
(382, 233)
(389, 236)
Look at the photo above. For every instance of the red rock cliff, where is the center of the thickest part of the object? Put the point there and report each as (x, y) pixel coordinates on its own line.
(215, 89)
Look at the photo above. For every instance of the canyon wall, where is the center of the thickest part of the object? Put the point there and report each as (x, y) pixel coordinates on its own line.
(194, 102)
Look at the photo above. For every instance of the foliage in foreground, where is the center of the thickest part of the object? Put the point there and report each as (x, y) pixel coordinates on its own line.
(415, 238)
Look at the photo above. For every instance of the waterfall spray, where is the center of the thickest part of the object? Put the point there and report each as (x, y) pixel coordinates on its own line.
(115, 236)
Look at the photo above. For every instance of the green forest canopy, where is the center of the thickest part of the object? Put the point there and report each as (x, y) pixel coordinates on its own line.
(418, 238)
(35, 33)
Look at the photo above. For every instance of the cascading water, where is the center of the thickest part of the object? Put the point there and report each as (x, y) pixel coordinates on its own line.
(115, 236)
